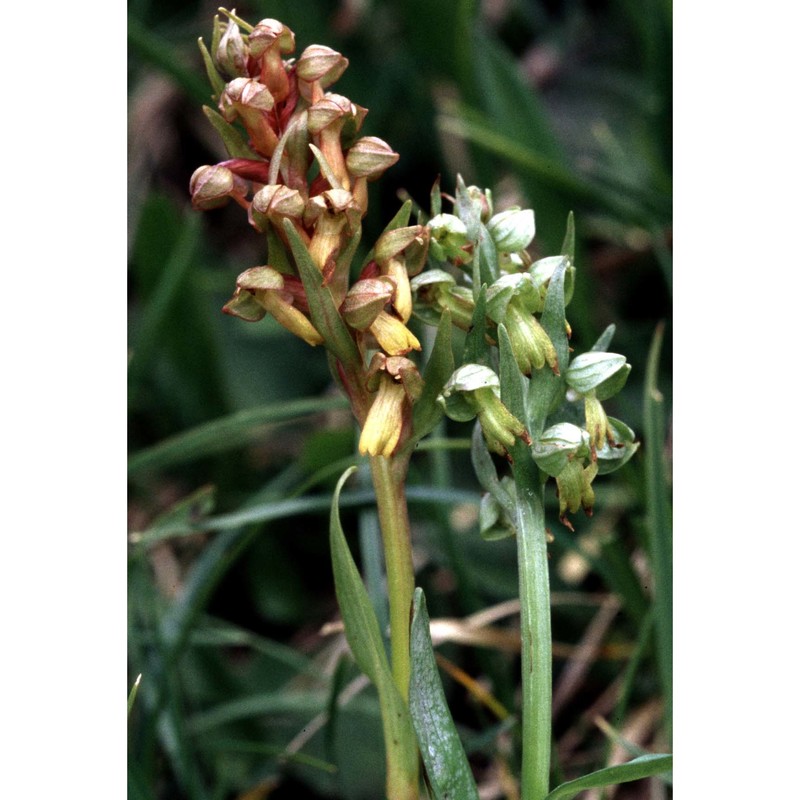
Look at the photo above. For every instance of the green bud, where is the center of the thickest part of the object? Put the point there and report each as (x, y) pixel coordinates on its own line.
(596, 421)
(574, 487)
(541, 272)
(558, 445)
(589, 371)
(448, 238)
(232, 52)
(474, 390)
(482, 201)
(512, 299)
(512, 230)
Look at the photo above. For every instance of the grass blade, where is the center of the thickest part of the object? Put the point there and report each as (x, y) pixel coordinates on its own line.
(642, 767)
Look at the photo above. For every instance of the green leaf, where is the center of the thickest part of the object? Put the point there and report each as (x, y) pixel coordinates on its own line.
(134, 691)
(446, 763)
(604, 340)
(487, 474)
(476, 348)
(366, 643)
(234, 142)
(659, 518)
(226, 433)
(568, 247)
(324, 314)
(440, 366)
(489, 269)
(217, 83)
(642, 767)
(546, 389)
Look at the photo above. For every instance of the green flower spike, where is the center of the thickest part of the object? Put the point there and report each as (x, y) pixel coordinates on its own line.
(474, 390)
(513, 300)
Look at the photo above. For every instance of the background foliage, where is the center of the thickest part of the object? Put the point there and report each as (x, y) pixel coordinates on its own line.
(237, 435)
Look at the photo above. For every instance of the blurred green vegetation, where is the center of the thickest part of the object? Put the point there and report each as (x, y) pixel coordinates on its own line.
(237, 435)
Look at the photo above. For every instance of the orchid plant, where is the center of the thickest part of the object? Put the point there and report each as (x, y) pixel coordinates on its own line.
(299, 167)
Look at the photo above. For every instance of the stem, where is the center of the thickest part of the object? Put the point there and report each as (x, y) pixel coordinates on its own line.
(388, 478)
(534, 593)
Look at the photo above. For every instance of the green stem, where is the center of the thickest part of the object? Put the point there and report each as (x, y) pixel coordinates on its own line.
(534, 593)
(388, 478)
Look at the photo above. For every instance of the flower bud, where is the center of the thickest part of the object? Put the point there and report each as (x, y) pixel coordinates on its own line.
(268, 40)
(449, 238)
(365, 300)
(512, 230)
(250, 101)
(392, 335)
(317, 68)
(212, 186)
(232, 52)
(437, 291)
(602, 373)
(274, 202)
(541, 272)
(474, 390)
(398, 384)
(267, 34)
(369, 157)
(482, 200)
(574, 488)
(245, 93)
(558, 445)
(268, 287)
(511, 300)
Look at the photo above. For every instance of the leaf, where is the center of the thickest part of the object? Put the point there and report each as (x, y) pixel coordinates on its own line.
(440, 366)
(217, 83)
(476, 348)
(366, 643)
(487, 474)
(234, 142)
(324, 314)
(134, 691)
(446, 763)
(642, 767)
(659, 518)
(489, 269)
(226, 433)
(568, 247)
(604, 340)
(547, 389)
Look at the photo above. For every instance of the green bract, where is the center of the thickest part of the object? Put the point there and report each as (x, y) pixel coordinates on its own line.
(612, 456)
